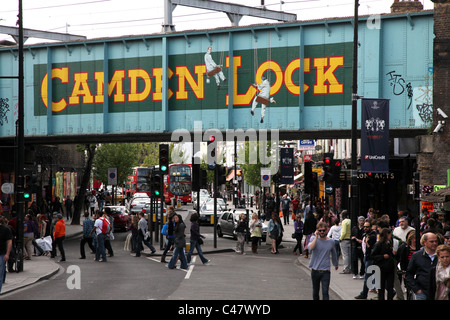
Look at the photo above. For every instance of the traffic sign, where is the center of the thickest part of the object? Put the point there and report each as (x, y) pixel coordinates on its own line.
(265, 177)
(112, 176)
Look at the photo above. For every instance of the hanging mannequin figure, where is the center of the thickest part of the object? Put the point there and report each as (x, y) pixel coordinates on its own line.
(212, 69)
(263, 97)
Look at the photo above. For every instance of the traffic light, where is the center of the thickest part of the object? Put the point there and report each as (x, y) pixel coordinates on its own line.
(196, 176)
(336, 172)
(308, 177)
(27, 187)
(163, 157)
(221, 175)
(157, 183)
(211, 152)
(327, 166)
(34, 183)
(203, 178)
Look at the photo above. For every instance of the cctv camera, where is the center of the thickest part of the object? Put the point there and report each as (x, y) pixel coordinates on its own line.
(439, 126)
(442, 113)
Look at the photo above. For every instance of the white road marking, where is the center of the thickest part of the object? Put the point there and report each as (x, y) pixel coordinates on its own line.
(188, 275)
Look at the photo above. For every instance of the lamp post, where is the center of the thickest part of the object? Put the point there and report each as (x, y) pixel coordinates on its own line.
(354, 199)
(20, 200)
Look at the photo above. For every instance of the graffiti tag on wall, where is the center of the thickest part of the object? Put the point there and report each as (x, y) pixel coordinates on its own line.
(399, 86)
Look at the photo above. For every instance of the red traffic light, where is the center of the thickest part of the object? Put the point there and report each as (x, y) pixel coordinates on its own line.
(337, 163)
(212, 138)
(327, 160)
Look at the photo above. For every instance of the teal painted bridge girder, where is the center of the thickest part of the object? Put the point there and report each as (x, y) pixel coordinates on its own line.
(159, 83)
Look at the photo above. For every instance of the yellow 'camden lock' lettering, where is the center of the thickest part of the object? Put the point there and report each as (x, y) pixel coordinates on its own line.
(136, 84)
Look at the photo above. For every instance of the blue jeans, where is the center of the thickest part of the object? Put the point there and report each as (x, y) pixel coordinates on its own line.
(365, 290)
(178, 252)
(140, 247)
(319, 278)
(421, 296)
(337, 246)
(195, 245)
(100, 247)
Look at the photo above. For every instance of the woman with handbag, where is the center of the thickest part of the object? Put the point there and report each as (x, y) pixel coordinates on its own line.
(274, 230)
(196, 240)
(255, 232)
(180, 244)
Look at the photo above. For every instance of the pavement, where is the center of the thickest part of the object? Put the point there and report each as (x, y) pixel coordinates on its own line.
(43, 267)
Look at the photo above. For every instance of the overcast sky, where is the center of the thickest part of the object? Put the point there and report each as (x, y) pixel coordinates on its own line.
(110, 18)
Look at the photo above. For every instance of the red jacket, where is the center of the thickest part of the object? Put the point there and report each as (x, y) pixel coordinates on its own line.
(60, 229)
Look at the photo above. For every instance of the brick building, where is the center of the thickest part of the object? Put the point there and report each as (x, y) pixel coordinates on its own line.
(434, 149)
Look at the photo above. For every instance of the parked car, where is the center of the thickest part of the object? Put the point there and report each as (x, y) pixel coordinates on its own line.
(202, 192)
(137, 203)
(121, 216)
(203, 197)
(207, 211)
(227, 224)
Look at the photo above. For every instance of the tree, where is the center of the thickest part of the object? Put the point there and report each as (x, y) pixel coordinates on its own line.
(252, 172)
(148, 154)
(123, 156)
(177, 153)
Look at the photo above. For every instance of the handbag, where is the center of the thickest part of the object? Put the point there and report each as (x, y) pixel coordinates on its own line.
(164, 229)
(200, 241)
(294, 235)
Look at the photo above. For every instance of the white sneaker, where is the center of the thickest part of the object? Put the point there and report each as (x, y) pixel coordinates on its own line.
(355, 276)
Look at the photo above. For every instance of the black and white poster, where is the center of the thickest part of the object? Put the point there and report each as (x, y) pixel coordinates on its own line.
(375, 135)
(287, 166)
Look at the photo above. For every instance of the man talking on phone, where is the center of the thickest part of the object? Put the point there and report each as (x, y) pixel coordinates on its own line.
(321, 247)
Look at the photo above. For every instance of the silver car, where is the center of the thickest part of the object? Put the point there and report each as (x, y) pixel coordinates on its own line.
(203, 197)
(138, 203)
(228, 222)
(207, 211)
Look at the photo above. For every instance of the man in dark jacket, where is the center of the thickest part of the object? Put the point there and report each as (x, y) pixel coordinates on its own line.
(418, 271)
(369, 240)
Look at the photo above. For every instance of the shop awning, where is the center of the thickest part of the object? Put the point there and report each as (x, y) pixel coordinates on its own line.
(442, 195)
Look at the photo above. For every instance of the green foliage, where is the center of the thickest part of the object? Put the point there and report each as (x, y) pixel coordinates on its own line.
(252, 172)
(148, 154)
(123, 156)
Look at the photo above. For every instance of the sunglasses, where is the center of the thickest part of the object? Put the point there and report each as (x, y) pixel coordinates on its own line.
(322, 230)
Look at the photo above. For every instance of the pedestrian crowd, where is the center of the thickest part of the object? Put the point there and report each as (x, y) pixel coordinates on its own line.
(411, 256)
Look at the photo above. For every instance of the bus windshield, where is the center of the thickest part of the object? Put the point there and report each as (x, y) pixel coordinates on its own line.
(180, 180)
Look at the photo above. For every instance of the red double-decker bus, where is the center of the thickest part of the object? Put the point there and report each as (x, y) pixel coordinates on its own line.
(139, 181)
(178, 183)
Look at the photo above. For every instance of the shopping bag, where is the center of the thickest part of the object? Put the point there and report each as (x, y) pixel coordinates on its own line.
(45, 243)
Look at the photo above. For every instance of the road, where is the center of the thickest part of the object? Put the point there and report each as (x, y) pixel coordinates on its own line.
(229, 276)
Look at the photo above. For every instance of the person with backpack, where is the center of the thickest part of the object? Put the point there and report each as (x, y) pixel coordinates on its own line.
(101, 227)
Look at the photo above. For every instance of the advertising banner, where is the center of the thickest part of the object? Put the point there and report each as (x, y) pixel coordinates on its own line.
(375, 135)
(287, 166)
